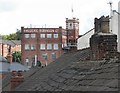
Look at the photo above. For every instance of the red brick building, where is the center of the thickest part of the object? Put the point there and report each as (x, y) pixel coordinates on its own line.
(72, 29)
(44, 43)
(5, 44)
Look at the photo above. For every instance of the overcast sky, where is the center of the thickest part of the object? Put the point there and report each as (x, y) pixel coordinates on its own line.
(53, 13)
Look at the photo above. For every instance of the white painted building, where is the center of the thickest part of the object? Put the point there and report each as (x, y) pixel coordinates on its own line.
(84, 40)
(119, 27)
(115, 24)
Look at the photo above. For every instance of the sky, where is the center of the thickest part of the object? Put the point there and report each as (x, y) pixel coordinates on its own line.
(51, 13)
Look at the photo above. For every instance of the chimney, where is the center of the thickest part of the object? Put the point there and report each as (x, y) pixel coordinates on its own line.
(16, 79)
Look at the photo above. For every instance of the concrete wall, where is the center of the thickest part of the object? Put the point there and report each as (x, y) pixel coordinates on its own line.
(119, 27)
(115, 25)
(83, 41)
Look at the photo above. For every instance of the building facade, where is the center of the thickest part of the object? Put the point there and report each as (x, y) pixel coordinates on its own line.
(5, 44)
(115, 24)
(83, 41)
(119, 27)
(42, 44)
(103, 43)
(72, 29)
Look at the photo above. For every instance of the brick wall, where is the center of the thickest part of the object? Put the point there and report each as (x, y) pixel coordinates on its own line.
(72, 28)
(16, 79)
(103, 43)
(103, 46)
(37, 41)
(4, 45)
(101, 24)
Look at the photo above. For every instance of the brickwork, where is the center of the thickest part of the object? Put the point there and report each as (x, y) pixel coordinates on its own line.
(72, 28)
(102, 24)
(103, 43)
(4, 45)
(17, 79)
(37, 41)
(103, 46)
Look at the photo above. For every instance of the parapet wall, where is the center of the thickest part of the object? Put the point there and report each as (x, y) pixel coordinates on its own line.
(102, 24)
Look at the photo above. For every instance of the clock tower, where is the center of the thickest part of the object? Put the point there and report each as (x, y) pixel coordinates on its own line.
(72, 29)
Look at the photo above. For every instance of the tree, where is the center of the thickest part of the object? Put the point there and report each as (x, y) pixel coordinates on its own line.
(18, 34)
(16, 57)
(10, 36)
(13, 36)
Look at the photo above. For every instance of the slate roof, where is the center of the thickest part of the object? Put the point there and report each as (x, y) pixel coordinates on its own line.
(11, 42)
(2, 59)
(18, 66)
(70, 73)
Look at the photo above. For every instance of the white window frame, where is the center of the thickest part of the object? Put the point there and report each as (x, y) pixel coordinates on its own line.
(42, 46)
(49, 35)
(27, 35)
(49, 46)
(33, 35)
(55, 36)
(33, 46)
(45, 56)
(27, 47)
(53, 56)
(55, 46)
(26, 60)
(70, 25)
(42, 35)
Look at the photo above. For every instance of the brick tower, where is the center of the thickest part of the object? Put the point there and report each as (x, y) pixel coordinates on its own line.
(72, 28)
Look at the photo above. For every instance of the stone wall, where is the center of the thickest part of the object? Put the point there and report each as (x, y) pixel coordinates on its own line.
(103, 46)
(102, 24)
(103, 43)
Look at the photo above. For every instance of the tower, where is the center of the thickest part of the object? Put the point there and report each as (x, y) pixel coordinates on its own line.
(72, 28)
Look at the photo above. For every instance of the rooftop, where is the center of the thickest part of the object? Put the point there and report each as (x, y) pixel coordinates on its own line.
(11, 42)
(72, 73)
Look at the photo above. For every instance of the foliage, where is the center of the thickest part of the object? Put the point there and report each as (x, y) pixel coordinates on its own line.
(18, 34)
(16, 57)
(13, 36)
(10, 36)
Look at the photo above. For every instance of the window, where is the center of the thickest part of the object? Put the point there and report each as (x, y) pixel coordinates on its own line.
(55, 46)
(70, 25)
(42, 35)
(55, 35)
(53, 56)
(33, 47)
(32, 35)
(44, 56)
(49, 46)
(49, 35)
(27, 35)
(27, 46)
(42, 46)
(27, 61)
